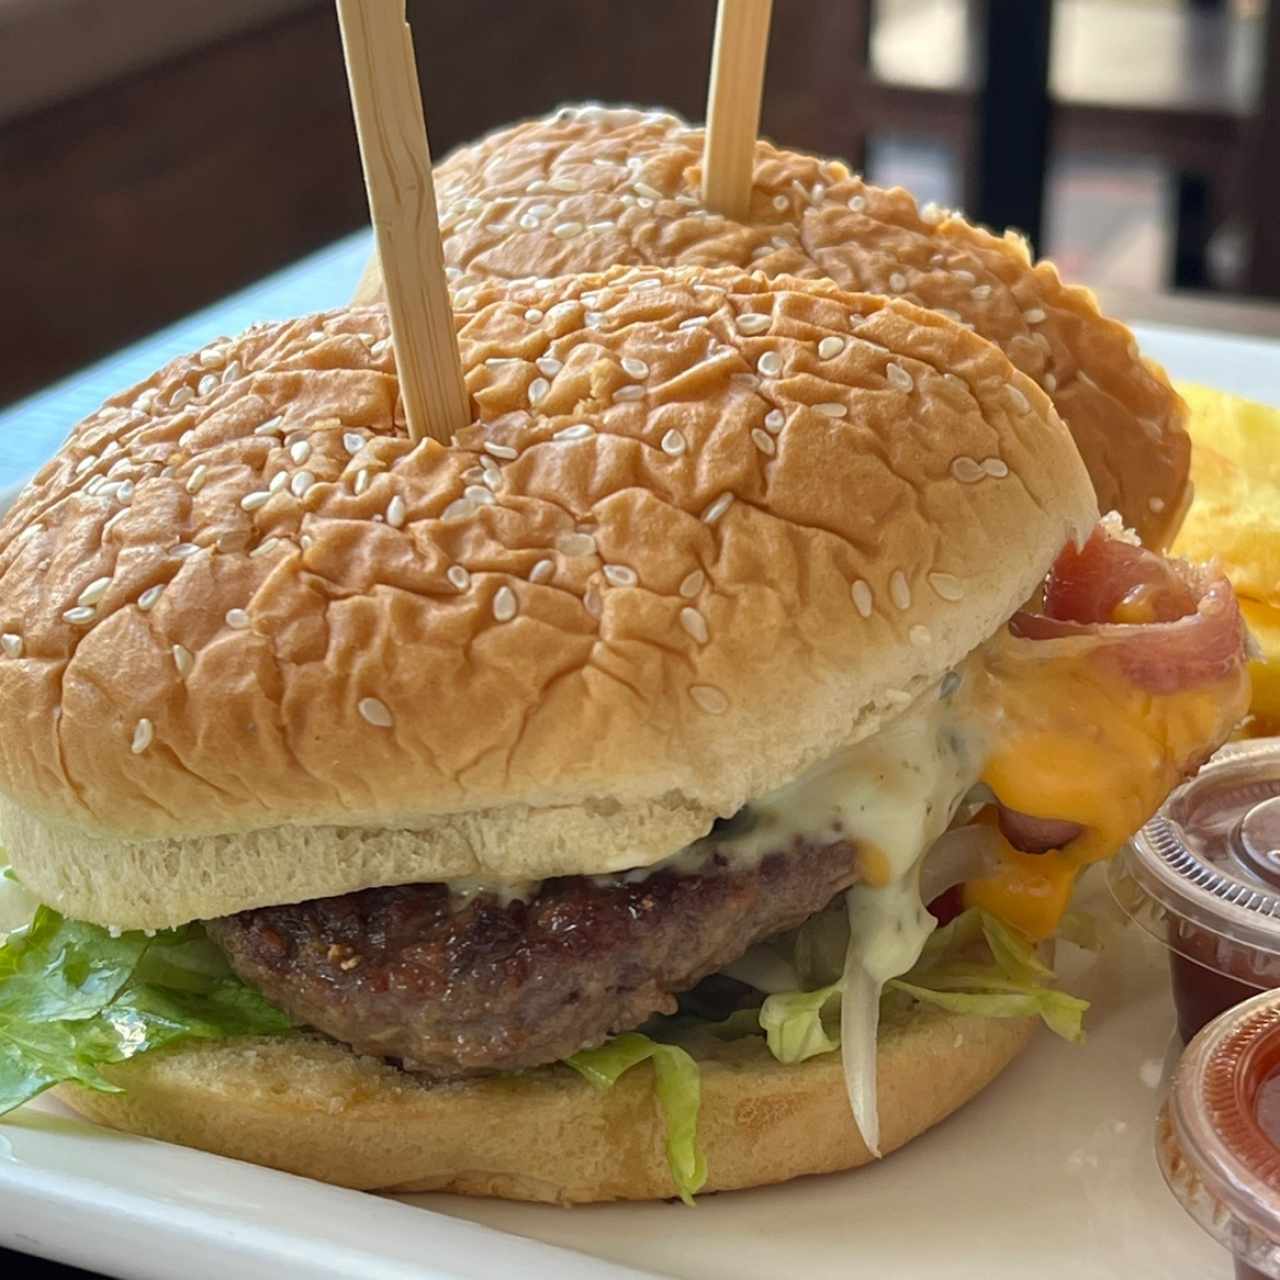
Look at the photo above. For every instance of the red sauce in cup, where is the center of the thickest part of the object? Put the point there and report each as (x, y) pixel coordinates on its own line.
(1218, 1137)
(1203, 876)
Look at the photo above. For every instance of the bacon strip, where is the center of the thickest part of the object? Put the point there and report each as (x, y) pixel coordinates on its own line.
(1168, 625)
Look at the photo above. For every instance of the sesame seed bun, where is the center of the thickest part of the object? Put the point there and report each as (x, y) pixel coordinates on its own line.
(592, 186)
(265, 649)
(311, 1107)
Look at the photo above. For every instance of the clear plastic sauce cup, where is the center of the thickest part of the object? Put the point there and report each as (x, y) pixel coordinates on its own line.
(1203, 876)
(1218, 1136)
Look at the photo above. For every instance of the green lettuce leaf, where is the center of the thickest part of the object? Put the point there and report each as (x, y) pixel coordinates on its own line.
(73, 999)
(678, 1086)
(792, 1024)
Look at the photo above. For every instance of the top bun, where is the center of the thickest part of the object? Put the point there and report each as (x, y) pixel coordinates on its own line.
(591, 186)
(259, 647)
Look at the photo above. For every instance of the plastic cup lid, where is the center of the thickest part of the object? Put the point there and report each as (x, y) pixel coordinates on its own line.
(1210, 859)
(1214, 1153)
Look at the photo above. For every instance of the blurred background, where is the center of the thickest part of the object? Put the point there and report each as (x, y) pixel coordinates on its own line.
(157, 154)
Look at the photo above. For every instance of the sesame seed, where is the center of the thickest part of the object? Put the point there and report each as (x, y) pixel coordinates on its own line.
(966, 470)
(900, 589)
(770, 364)
(124, 494)
(184, 550)
(85, 463)
(534, 315)
(592, 602)
(709, 698)
(1156, 504)
(857, 203)
(232, 371)
(352, 442)
(567, 230)
(1034, 316)
(300, 483)
(237, 619)
(542, 209)
(965, 277)
(1020, 402)
(504, 451)
(306, 542)
(361, 481)
(863, 600)
(144, 733)
(899, 377)
(753, 322)
(1050, 383)
(538, 388)
(605, 224)
(774, 420)
(898, 282)
(593, 319)
(695, 624)
(674, 443)
(830, 347)
(628, 394)
(694, 322)
(549, 365)
(195, 481)
(932, 214)
(693, 584)
(781, 203)
(995, 467)
(505, 604)
(619, 575)
(272, 427)
(635, 368)
(949, 314)
(717, 508)
(300, 451)
(459, 509)
(181, 397)
(830, 409)
(919, 636)
(11, 644)
(458, 576)
(542, 571)
(206, 384)
(315, 337)
(213, 358)
(122, 465)
(375, 712)
(94, 591)
(269, 545)
(763, 441)
(478, 494)
(396, 512)
(528, 222)
(95, 483)
(278, 482)
(255, 500)
(80, 615)
(981, 292)
(147, 600)
(644, 189)
(576, 544)
(947, 586)
(183, 660)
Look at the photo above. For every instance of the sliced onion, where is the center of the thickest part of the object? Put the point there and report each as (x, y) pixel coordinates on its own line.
(763, 968)
(963, 853)
(859, 1025)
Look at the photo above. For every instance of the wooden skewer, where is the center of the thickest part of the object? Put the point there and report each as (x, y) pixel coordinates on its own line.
(387, 103)
(733, 105)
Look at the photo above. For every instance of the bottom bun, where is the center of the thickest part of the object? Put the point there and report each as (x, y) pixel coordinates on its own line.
(311, 1107)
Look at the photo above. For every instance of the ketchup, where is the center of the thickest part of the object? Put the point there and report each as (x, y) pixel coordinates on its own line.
(1218, 1137)
(1203, 876)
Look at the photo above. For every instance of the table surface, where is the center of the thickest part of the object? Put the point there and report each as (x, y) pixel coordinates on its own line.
(32, 429)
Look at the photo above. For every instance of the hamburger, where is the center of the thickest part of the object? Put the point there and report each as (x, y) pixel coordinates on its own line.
(557, 814)
(591, 186)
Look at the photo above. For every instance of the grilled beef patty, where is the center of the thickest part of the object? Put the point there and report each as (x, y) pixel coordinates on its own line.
(455, 987)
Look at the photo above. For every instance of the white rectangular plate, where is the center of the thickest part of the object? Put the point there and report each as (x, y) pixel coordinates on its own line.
(1049, 1173)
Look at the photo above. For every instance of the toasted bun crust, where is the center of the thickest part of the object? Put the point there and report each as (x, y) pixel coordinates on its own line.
(311, 1107)
(632, 181)
(259, 647)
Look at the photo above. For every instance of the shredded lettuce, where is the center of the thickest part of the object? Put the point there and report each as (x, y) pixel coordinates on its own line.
(73, 999)
(678, 1087)
(792, 1024)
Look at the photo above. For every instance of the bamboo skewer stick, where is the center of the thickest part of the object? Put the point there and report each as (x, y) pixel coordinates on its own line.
(387, 104)
(733, 105)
